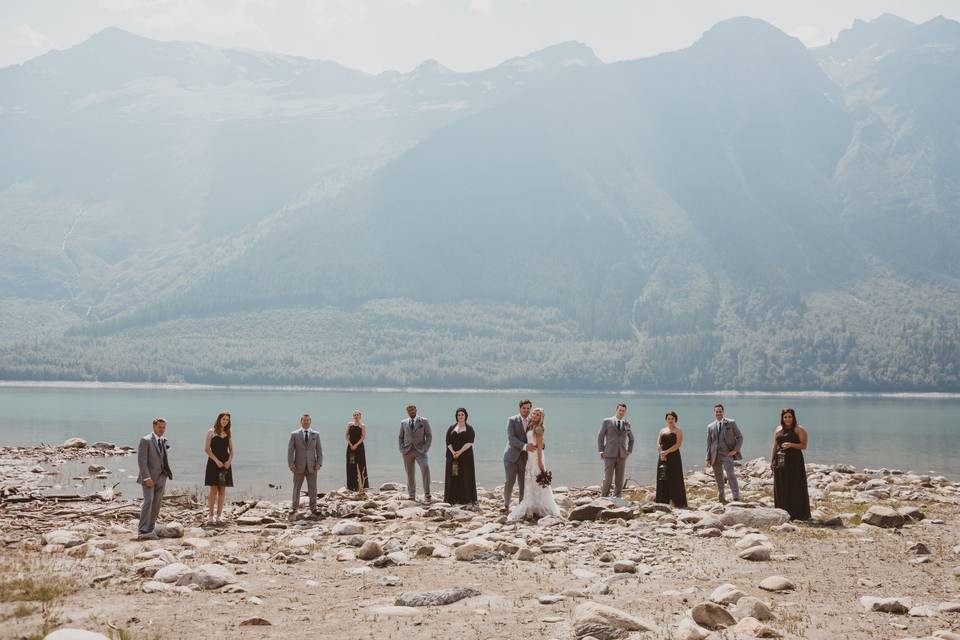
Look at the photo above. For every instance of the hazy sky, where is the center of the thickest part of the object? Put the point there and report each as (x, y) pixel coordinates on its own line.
(374, 35)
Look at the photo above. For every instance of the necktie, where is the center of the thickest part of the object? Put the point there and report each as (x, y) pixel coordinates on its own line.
(160, 445)
(619, 425)
(304, 436)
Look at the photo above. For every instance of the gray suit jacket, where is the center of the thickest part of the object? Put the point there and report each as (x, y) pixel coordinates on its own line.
(516, 440)
(613, 443)
(415, 435)
(304, 456)
(149, 461)
(732, 440)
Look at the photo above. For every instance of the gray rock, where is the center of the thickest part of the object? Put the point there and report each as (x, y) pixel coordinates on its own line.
(603, 622)
(156, 587)
(757, 517)
(914, 513)
(777, 583)
(625, 566)
(712, 616)
(919, 549)
(64, 537)
(148, 568)
(208, 576)
(550, 598)
(169, 530)
(751, 607)
(472, 548)
(880, 516)
(586, 512)
(74, 443)
(74, 634)
(886, 605)
(690, 630)
(922, 611)
(171, 573)
(627, 513)
(758, 553)
(434, 598)
(726, 594)
(526, 554)
(753, 628)
(347, 528)
(370, 550)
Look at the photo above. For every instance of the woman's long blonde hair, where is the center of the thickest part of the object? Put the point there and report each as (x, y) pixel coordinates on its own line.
(532, 424)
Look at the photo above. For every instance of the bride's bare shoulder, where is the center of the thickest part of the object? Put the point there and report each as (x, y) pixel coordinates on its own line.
(538, 430)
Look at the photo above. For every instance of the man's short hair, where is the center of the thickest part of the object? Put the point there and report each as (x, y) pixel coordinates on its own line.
(622, 404)
(306, 415)
(718, 405)
(523, 402)
(158, 420)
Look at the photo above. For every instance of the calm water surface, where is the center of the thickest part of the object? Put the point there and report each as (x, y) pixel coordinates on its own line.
(920, 434)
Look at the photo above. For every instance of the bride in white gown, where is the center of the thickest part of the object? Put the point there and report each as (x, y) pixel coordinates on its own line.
(537, 501)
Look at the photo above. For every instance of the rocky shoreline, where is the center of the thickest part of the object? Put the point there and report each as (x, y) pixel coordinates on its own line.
(879, 560)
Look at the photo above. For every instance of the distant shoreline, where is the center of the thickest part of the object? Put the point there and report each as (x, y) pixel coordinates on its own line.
(184, 386)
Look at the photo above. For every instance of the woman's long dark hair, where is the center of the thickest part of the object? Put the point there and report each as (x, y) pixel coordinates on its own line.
(465, 416)
(221, 431)
(792, 413)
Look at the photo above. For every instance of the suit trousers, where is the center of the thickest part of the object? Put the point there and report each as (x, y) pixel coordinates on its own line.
(421, 459)
(723, 464)
(152, 500)
(311, 490)
(613, 467)
(515, 474)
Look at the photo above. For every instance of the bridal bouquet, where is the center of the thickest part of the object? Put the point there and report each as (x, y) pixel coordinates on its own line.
(544, 478)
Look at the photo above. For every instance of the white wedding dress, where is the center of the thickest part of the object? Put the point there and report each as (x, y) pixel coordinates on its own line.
(537, 501)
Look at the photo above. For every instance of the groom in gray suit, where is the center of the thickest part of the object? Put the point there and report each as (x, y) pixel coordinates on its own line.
(615, 442)
(723, 447)
(154, 472)
(415, 439)
(516, 453)
(304, 457)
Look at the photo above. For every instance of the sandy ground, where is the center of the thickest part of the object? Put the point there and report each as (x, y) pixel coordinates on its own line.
(323, 596)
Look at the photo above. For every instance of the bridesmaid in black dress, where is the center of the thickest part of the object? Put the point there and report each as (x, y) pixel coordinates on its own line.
(460, 481)
(789, 473)
(670, 486)
(356, 456)
(219, 449)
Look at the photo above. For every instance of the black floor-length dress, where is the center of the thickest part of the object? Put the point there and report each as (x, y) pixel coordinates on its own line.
(220, 445)
(790, 481)
(670, 486)
(356, 462)
(462, 487)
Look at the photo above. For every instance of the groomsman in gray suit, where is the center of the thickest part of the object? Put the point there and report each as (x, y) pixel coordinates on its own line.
(723, 447)
(415, 439)
(154, 472)
(615, 442)
(304, 457)
(516, 453)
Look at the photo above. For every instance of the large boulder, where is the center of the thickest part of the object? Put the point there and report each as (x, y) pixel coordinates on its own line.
(208, 576)
(74, 443)
(433, 598)
(606, 623)
(756, 517)
(880, 516)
